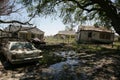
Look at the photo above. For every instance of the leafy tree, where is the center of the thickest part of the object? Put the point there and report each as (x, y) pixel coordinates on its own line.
(70, 28)
(102, 12)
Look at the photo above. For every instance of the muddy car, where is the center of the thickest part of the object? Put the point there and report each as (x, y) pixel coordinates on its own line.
(20, 52)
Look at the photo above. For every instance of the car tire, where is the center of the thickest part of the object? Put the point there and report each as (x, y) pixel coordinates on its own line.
(7, 64)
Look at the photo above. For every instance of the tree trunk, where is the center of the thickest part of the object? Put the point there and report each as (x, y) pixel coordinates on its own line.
(111, 12)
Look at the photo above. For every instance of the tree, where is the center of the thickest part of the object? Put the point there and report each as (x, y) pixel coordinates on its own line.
(7, 7)
(103, 12)
(70, 28)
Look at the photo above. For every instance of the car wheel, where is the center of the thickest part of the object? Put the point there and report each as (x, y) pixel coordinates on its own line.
(7, 64)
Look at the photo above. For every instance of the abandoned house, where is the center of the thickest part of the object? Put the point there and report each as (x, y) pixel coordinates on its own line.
(91, 34)
(66, 35)
(25, 32)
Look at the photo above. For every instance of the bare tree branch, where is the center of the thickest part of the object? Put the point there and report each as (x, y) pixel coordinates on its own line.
(15, 21)
(10, 12)
(32, 16)
(5, 9)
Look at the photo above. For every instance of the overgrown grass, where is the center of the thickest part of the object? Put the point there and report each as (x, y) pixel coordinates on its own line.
(76, 46)
(85, 47)
(53, 40)
(116, 45)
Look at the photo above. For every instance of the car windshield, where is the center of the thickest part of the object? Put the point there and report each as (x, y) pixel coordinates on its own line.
(21, 45)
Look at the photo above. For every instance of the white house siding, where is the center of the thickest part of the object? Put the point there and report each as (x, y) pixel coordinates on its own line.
(107, 39)
(83, 36)
(95, 35)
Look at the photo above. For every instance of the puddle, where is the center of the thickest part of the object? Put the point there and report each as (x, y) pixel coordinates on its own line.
(71, 60)
(67, 70)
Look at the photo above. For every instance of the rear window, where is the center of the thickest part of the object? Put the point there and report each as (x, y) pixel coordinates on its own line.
(20, 45)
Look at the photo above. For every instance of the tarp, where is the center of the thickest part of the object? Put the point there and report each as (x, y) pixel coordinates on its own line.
(36, 39)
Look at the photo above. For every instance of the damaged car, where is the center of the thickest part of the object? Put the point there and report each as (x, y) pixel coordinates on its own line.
(20, 52)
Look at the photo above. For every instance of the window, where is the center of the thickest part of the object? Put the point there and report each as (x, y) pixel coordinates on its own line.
(89, 34)
(14, 34)
(32, 35)
(21, 45)
(104, 35)
(23, 35)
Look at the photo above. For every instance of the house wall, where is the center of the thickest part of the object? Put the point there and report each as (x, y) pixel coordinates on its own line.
(29, 36)
(41, 37)
(4, 34)
(95, 35)
(62, 36)
(104, 36)
(23, 35)
(83, 36)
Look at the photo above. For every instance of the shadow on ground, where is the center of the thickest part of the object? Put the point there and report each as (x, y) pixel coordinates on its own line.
(103, 64)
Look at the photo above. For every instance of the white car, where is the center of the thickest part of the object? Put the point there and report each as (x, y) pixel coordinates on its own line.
(20, 52)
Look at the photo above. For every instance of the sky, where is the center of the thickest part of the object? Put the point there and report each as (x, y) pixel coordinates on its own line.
(48, 25)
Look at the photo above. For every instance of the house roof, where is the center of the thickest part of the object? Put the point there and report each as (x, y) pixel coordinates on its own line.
(93, 28)
(67, 32)
(34, 30)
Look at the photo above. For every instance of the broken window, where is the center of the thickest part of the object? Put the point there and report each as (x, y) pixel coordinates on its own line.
(104, 35)
(23, 35)
(32, 35)
(89, 34)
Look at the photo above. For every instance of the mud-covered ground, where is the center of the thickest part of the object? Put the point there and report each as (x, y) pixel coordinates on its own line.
(100, 64)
